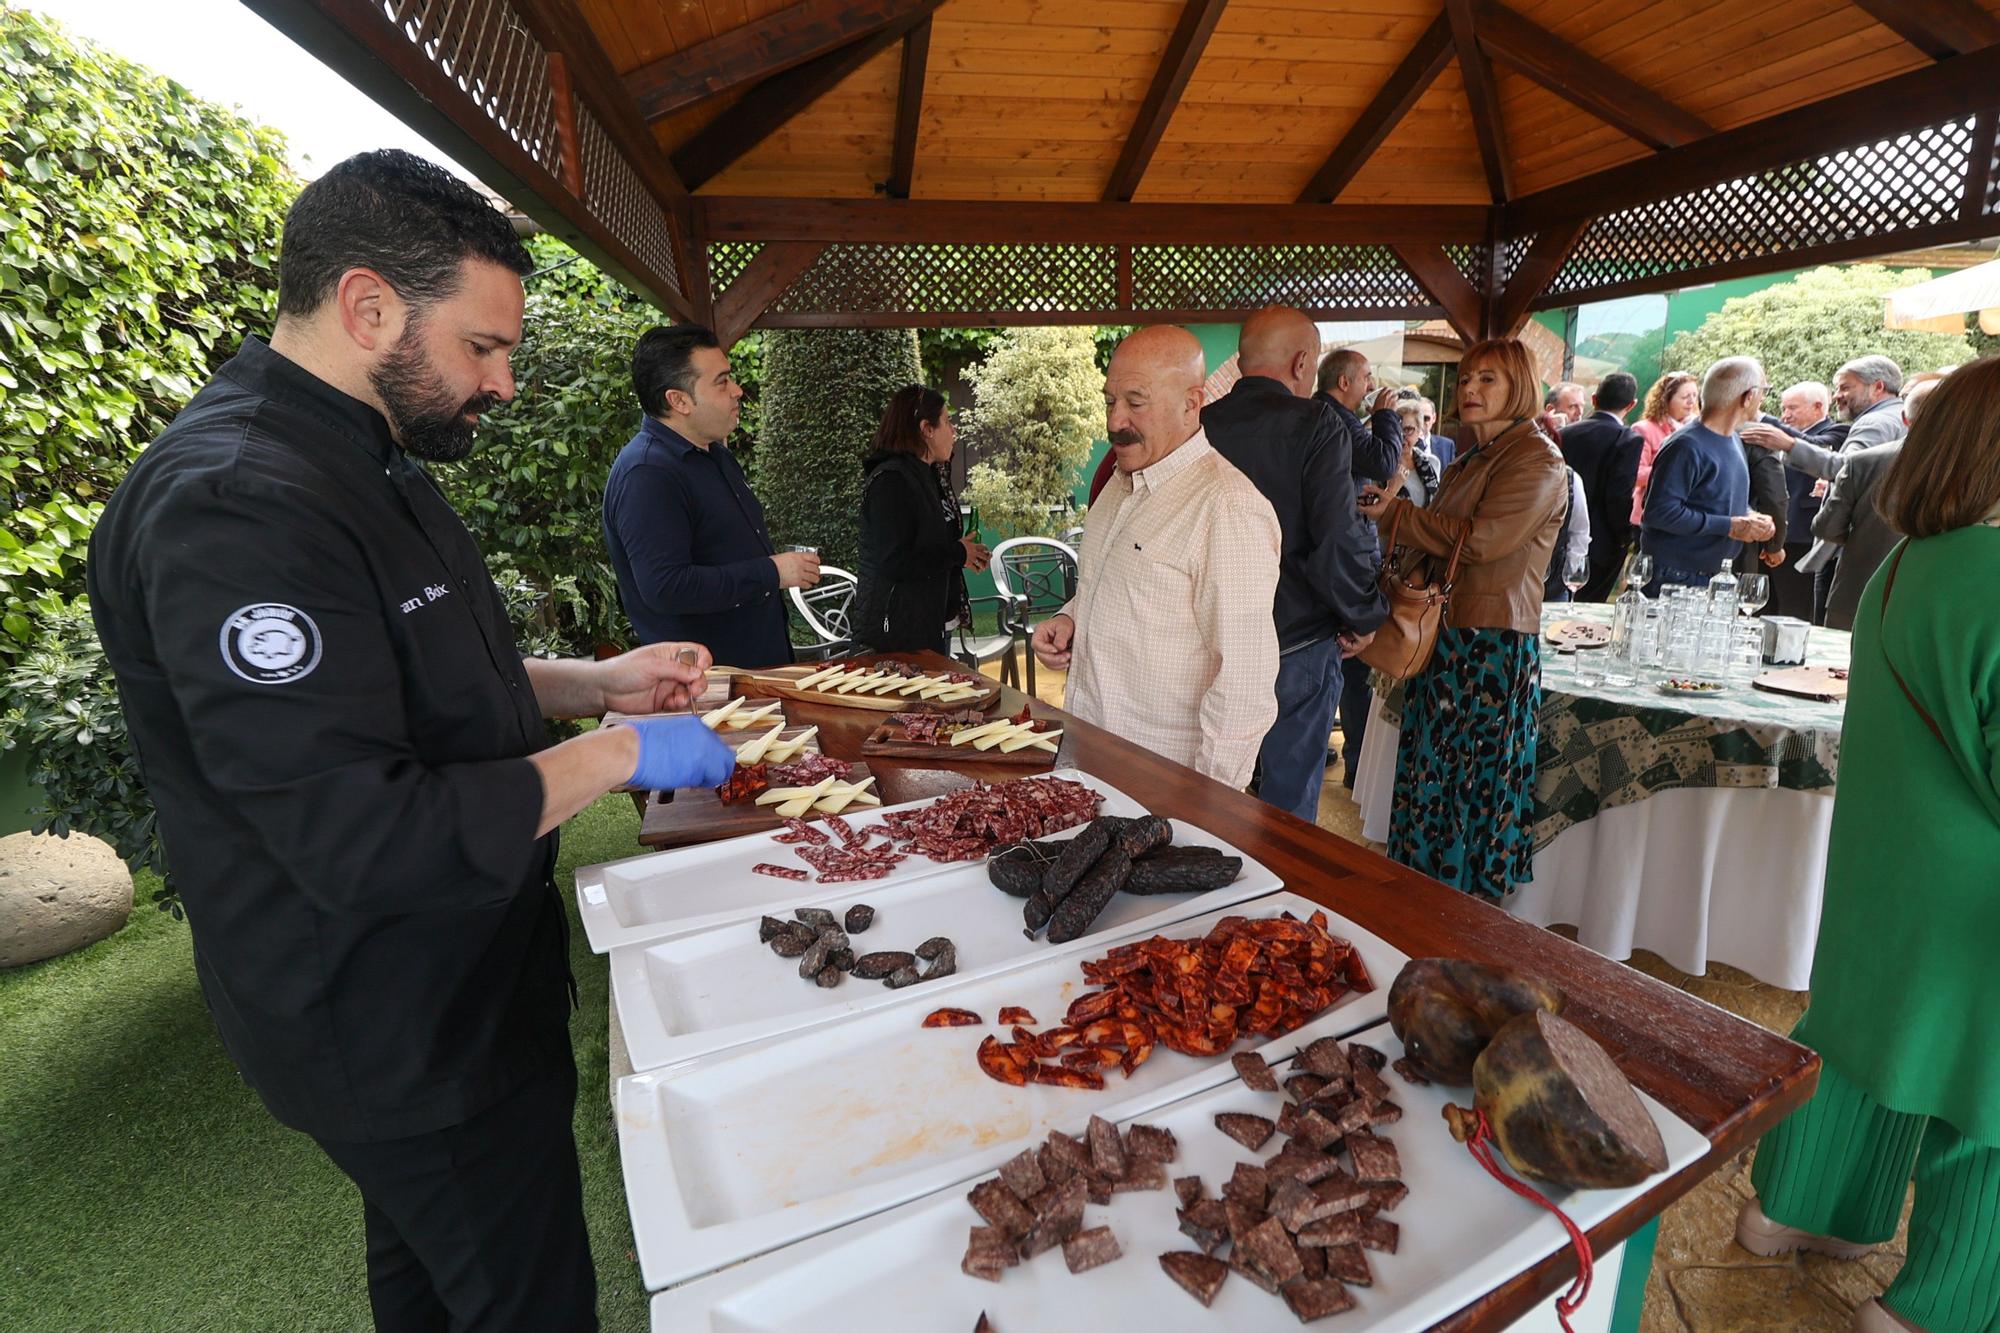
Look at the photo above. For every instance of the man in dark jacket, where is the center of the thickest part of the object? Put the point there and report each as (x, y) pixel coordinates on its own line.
(1346, 381)
(686, 537)
(1604, 453)
(1802, 415)
(1327, 605)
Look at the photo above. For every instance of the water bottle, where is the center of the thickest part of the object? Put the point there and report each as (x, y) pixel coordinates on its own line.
(1628, 617)
(1722, 593)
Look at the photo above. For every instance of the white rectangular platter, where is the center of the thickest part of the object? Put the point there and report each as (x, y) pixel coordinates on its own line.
(1462, 1235)
(664, 894)
(741, 1152)
(721, 987)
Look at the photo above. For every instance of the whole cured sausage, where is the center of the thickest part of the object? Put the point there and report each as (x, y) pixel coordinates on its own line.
(1183, 870)
(1149, 833)
(1074, 914)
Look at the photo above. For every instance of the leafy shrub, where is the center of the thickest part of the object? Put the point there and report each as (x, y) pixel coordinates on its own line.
(532, 492)
(824, 390)
(1806, 328)
(59, 701)
(138, 238)
(1038, 405)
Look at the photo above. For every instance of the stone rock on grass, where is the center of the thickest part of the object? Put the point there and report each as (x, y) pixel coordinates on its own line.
(58, 895)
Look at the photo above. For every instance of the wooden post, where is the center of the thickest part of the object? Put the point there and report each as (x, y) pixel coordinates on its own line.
(571, 172)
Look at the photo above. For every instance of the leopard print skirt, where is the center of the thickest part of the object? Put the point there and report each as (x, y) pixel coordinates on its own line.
(1465, 774)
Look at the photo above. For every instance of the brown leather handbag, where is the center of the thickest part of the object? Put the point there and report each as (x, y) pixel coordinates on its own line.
(1417, 601)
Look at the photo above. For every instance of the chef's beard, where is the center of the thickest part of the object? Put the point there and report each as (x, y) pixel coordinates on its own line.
(427, 423)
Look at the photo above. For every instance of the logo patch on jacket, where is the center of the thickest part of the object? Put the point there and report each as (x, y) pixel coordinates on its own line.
(269, 643)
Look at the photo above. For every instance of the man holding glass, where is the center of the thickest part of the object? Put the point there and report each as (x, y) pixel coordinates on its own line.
(686, 537)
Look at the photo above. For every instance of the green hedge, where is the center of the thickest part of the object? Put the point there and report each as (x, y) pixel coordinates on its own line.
(138, 238)
(824, 391)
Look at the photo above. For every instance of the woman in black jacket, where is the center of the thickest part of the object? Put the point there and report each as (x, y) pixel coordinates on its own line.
(911, 591)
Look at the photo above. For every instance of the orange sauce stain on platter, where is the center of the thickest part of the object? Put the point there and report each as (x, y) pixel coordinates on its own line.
(957, 1137)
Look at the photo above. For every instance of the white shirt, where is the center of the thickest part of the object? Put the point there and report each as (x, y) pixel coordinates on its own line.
(1175, 648)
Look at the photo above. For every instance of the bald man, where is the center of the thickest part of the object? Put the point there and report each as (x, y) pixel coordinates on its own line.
(1169, 641)
(1327, 608)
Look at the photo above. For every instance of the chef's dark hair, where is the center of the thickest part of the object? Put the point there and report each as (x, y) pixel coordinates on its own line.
(663, 359)
(410, 220)
(910, 408)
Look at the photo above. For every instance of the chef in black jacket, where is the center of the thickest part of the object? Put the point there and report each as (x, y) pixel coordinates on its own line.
(346, 748)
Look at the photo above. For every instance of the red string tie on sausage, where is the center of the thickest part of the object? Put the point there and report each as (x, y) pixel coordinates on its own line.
(1479, 1144)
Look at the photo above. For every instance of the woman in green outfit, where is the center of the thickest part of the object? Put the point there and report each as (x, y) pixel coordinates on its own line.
(1904, 979)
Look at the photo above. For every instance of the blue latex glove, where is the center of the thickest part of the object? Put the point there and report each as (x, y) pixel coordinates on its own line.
(679, 752)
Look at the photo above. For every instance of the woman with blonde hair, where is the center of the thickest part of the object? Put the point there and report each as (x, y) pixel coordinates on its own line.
(1903, 976)
(1466, 769)
(1672, 402)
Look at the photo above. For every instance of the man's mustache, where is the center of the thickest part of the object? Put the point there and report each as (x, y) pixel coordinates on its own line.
(479, 406)
(1126, 436)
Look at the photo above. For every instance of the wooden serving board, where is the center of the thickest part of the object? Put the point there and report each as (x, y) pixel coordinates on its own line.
(1579, 634)
(678, 819)
(889, 742)
(1827, 685)
(774, 684)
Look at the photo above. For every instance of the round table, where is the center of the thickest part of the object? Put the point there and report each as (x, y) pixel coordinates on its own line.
(1693, 827)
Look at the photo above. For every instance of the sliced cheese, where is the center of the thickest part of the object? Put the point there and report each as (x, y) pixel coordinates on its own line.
(993, 738)
(750, 717)
(859, 679)
(714, 720)
(754, 751)
(971, 734)
(824, 673)
(1036, 738)
(793, 809)
(915, 683)
(954, 692)
(786, 751)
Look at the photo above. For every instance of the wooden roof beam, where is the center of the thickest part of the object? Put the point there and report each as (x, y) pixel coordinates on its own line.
(775, 100)
(756, 51)
(977, 222)
(909, 111)
(1582, 79)
(1876, 111)
(1940, 29)
(1407, 83)
(1437, 275)
(1483, 95)
(1183, 53)
(1550, 250)
(763, 280)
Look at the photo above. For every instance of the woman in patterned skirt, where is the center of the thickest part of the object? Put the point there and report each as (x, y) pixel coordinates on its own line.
(1466, 770)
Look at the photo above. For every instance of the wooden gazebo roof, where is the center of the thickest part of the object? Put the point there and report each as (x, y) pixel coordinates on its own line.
(838, 162)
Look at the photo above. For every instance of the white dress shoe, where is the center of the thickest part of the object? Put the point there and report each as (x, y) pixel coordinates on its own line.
(1875, 1317)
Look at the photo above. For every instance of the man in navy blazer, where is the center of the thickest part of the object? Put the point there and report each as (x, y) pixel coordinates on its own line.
(1604, 453)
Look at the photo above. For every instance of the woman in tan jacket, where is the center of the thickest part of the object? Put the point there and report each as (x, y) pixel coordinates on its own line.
(1466, 772)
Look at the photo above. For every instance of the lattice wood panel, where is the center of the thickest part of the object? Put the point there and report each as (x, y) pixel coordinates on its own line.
(940, 279)
(1470, 261)
(492, 57)
(1875, 190)
(1512, 252)
(1244, 277)
(728, 259)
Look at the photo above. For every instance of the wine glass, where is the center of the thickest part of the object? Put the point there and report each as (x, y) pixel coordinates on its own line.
(1642, 570)
(1752, 592)
(1576, 571)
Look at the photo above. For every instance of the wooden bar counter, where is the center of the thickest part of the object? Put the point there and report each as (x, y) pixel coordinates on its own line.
(1728, 1078)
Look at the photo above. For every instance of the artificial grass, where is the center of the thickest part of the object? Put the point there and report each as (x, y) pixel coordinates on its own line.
(144, 1187)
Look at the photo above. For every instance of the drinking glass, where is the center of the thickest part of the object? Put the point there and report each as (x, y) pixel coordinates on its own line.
(1717, 641)
(1752, 592)
(1642, 571)
(1576, 571)
(1746, 659)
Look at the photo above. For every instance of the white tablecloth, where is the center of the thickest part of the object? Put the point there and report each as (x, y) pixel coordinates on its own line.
(1729, 875)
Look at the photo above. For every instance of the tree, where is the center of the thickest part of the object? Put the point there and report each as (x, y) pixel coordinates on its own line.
(1806, 328)
(1038, 405)
(824, 390)
(138, 241)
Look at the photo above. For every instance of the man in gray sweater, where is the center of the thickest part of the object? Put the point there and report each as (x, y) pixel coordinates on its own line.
(1850, 520)
(1869, 389)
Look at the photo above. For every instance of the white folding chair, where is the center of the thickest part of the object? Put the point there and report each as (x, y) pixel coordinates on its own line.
(824, 608)
(1037, 576)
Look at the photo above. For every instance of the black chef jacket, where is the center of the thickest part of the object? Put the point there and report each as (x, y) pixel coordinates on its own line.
(333, 722)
